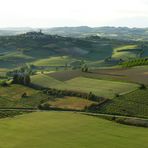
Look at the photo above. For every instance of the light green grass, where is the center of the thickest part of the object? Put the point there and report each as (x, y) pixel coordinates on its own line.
(125, 52)
(102, 88)
(14, 56)
(44, 80)
(129, 47)
(68, 130)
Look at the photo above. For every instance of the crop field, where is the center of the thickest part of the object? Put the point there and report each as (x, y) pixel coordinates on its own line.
(12, 97)
(115, 74)
(135, 74)
(68, 130)
(132, 104)
(102, 88)
(71, 103)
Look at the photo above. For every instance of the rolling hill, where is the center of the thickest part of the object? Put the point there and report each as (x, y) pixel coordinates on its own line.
(42, 50)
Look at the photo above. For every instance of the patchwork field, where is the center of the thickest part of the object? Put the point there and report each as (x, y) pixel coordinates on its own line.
(68, 130)
(135, 74)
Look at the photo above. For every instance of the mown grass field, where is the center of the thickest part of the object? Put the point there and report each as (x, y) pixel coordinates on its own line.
(71, 103)
(68, 130)
(132, 104)
(102, 88)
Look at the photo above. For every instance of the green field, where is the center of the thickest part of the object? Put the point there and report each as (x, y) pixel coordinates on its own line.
(68, 130)
(54, 61)
(125, 52)
(102, 88)
(44, 80)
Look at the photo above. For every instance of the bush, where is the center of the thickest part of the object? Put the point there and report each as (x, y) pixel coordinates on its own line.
(142, 86)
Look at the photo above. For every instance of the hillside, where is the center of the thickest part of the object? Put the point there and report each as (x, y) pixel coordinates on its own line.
(12, 97)
(102, 88)
(52, 51)
(132, 104)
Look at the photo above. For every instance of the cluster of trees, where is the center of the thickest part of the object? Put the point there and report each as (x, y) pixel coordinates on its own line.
(21, 78)
(21, 75)
(135, 62)
(25, 69)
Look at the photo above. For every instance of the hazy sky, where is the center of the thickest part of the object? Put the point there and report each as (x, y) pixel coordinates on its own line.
(51, 13)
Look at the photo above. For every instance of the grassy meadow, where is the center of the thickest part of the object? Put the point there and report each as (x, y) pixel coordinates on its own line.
(68, 130)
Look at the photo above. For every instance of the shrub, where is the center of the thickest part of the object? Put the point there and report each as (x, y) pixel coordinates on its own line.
(142, 86)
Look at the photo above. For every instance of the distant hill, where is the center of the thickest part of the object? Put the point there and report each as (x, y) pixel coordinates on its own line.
(123, 33)
(42, 49)
(112, 32)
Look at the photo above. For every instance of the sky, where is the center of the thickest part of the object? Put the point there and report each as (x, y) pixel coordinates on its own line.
(59, 13)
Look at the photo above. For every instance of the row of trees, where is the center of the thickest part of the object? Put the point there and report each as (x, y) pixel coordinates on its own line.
(62, 93)
(135, 62)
